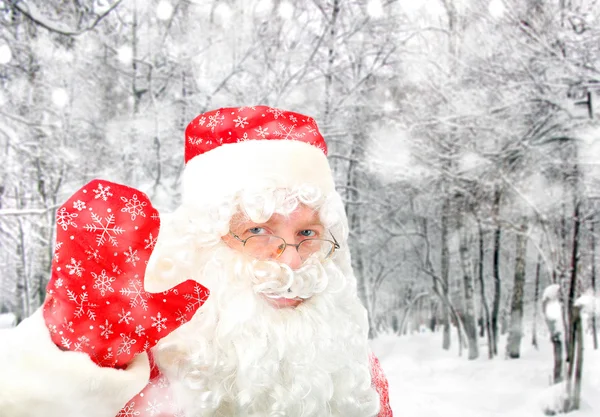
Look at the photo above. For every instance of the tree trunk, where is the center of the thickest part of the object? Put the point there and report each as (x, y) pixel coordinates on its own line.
(444, 272)
(469, 302)
(496, 269)
(353, 185)
(593, 278)
(536, 298)
(573, 283)
(513, 346)
(575, 369)
(331, 52)
(484, 303)
(554, 323)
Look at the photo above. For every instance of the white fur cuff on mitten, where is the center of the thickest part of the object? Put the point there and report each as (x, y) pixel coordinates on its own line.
(39, 379)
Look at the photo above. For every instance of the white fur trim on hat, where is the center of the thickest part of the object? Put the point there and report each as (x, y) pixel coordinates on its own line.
(230, 168)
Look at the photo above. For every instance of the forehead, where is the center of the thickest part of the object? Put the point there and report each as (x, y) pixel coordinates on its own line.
(302, 215)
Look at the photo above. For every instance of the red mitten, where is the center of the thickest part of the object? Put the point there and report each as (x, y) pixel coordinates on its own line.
(96, 301)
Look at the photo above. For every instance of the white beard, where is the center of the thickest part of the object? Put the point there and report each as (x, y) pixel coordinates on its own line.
(239, 356)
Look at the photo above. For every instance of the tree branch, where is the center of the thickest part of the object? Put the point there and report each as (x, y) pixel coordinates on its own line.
(32, 13)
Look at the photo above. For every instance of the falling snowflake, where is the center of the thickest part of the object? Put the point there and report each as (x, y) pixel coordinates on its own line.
(287, 132)
(125, 316)
(241, 121)
(131, 256)
(140, 330)
(159, 322)
(126, 343)
(84, 307)
(150, 242)
(106, 329)
(102, 192)
(105, 230)
(202, 120)
(263, 133)
(75, 268)
(136, 294)
(276, 113)
(293, 119)
(79, 205)
(65, 219)
(103, 282)
(312, 130)
(213, 121)
(82, 341)
(154, 407)
(198, 298)
(129, 411)
(58, 283)
(134, 207)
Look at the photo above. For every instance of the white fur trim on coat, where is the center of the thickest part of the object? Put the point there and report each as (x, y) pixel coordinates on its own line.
(38, 379)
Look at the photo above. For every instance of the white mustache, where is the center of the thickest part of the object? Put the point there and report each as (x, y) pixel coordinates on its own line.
(277, 280)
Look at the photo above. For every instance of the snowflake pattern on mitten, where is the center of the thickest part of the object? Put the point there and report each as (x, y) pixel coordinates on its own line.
(96, 301)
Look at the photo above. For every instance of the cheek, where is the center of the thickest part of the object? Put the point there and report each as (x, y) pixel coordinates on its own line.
(232, 242)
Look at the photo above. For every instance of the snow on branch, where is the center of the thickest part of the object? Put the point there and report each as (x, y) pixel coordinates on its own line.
(589, 304)
(31, 12)
(552, 309)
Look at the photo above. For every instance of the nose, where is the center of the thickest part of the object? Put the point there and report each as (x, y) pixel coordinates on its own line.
(290, 257)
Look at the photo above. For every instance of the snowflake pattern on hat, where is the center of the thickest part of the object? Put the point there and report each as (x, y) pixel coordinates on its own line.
(96, 301)
(238, 124)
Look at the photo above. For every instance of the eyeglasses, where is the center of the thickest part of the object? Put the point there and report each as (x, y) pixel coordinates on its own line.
(265, 247)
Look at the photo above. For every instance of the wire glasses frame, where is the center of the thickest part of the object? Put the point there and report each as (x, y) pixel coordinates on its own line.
(272, 247)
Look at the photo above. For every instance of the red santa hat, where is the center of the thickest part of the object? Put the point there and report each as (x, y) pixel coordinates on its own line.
(230, 150)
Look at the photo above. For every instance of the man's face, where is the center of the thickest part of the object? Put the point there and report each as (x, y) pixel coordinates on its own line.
(300, 225)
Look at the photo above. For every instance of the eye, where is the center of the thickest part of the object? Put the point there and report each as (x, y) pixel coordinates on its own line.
(256, 231)
(308, 233)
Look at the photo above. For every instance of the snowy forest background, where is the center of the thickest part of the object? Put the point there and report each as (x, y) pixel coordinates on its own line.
(463, 135)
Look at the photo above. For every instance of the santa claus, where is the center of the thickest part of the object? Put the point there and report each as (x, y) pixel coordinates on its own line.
(249, 305)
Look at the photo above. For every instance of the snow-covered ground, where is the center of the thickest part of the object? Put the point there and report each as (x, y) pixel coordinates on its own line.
(426, 381)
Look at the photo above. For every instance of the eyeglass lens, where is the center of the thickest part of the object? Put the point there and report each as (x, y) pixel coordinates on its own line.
(271, 247)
